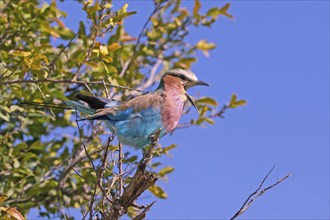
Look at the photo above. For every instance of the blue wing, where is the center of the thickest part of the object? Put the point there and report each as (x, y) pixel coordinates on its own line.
(133, 121)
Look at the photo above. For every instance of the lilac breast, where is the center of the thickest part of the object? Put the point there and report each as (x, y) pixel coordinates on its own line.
(172, 110)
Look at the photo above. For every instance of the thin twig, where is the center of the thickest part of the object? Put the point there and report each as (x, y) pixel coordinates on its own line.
(142, 215)
(97, 27)
(152, 75)
(5, 7)
(75, 76)
(144, 29)
(258, 192)
(104, 164)
(106, 90)
(216, 114)
(120, 168)
(52, 64)
(94, 168)
(85, 148)
(78, 157)
(139, 183)
(97, 175)
(65, 81)
(44, 97)
(63, 213)
(86, 85)
(82, 176)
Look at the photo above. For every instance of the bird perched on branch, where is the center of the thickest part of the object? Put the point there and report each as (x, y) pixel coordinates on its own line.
(134, 121)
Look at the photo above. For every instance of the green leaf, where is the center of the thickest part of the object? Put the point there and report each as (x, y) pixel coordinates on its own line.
(172, 146)
(37, 146)
(113, 47)
(5, 117)
(200, 121)
(108, 5)
(158, 192)
(13, 212)
(207, 101)
(204, 45)
(197, 6)
(234, 103)
(131, 159)
(165, 170)
(124, 15)
(186, 62)
(16, 108)
(213, 12)
(224, 12)
(3, 198)
(21, 53)
(233, 99)
(107, 59)
(95, 7)
(210, 121)
(240, 103)
(64, 33)
(132, 212)
(104, 50)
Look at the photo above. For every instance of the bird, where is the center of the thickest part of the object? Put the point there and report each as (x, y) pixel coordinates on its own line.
(136, 120)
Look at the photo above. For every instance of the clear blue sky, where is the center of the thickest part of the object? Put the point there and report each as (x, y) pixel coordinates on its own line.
(274, 54)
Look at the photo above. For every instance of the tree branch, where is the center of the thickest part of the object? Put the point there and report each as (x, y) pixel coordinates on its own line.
(65, 81)
(96, 26)
(151, 78)
(52, 64)
(142, 215)
(257, 193)
(140, 182)
(144, 29)
(216, 114)
(120, 168)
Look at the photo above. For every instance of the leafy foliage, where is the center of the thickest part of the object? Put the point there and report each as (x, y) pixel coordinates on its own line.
(42, 163)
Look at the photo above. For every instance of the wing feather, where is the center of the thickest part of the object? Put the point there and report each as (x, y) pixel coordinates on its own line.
(135, 105)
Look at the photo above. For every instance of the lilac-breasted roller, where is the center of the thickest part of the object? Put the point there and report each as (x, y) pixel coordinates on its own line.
(134, 121)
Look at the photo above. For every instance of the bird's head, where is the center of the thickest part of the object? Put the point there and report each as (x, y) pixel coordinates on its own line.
(186, 78)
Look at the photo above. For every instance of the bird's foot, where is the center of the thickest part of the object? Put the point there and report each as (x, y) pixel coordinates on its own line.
(155, 137)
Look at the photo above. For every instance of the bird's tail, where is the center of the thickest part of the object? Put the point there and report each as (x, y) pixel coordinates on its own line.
(93, 104)
(80, 107)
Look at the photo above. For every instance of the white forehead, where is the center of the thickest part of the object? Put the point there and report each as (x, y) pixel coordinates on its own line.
(188, 73)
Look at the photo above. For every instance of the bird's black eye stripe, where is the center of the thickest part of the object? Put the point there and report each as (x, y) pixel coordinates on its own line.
(183, 77)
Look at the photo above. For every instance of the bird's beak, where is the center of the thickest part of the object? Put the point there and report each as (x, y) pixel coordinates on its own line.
(190, 99)
(200, 83)
(195, 83)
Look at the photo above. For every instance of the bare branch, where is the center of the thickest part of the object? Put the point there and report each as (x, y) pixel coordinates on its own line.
(140, 182)
(96, 26)
(142, 215)
(258, 192)
(106, 90)
(98, 174)
(75, 76)
(65, 81)
(52, 64)
(120, 168)
(44, 97)
(217, 114)
(143, 31)
(89, 89)
(151, 78)
(92, 181)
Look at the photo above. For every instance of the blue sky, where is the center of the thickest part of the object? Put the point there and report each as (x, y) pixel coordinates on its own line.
(274, 54)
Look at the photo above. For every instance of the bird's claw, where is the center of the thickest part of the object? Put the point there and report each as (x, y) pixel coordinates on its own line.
(155, 137)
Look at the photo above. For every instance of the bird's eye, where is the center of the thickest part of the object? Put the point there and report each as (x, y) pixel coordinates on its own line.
(182, 77)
